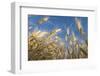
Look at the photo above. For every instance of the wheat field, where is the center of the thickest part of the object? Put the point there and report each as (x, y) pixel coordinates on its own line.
(44, 45)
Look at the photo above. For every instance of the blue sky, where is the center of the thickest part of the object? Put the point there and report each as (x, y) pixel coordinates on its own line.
(53, 22)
